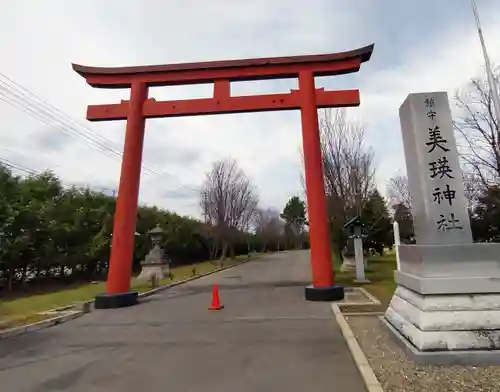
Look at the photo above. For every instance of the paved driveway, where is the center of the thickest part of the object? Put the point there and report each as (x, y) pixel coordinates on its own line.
(266, 339)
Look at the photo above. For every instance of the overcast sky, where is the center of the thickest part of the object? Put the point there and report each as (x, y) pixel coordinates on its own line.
(419, 46)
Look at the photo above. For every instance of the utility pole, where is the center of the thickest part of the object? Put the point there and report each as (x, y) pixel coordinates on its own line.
(491, 79)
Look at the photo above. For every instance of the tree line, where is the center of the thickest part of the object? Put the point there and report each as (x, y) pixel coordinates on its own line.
(230, 206)
(51, 234)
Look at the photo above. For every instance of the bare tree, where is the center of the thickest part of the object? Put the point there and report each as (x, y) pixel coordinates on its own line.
(269, 226)
(347, 167)
(473, 188)
(399, 192)
(228, 200)
(479, 134)
(347, 163)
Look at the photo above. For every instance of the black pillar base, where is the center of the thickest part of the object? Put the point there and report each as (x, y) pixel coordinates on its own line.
(326, 294)
(111, 301)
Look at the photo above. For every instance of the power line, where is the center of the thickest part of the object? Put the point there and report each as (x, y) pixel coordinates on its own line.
(23, 155)
(15, 166)
(26, 170)
(24, 100)
(12, 165)
(31, 104)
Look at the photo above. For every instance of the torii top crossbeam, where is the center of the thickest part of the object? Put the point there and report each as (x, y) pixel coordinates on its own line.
(221, 73)
(232, 70)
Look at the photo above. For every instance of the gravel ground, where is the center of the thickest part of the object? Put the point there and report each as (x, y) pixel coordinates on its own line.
(396, 372)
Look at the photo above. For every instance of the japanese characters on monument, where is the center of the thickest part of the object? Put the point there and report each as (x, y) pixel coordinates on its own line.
(434, 175)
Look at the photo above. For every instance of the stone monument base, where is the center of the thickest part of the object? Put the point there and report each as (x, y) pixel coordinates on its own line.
(444, 357)
(150, 270)
(446, 322)
(348, 264)
(448, 302)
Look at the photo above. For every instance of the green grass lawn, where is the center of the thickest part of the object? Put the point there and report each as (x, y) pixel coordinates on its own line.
(24, 310)
(380, 271)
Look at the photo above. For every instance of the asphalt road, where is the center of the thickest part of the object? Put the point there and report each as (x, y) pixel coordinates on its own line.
(267, 338)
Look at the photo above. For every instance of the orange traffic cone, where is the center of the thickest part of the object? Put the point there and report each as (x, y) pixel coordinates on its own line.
(216, 305)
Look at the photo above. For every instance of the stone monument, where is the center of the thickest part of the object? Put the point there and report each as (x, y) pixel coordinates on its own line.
(155, 264)
(359, 256)
(354, 258)
(446, 308)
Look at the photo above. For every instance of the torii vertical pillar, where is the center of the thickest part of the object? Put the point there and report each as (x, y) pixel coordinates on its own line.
(323, 287)
(118, 292)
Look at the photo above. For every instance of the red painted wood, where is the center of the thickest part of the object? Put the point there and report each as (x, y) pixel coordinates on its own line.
(247, 69)
(224, 105)
(122, 247)
(221, 73)
(232, 74)
(319, 236)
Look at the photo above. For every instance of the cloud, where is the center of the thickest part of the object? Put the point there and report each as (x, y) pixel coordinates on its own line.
(418, 46)
(51, 138)
(179, 194)
(444, 63)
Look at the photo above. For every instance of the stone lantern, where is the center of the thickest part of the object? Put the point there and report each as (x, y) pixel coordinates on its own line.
(348, 261)
(354, 259)
(156, 235)
(153, 266)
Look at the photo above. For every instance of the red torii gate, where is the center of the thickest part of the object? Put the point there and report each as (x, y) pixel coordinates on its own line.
(221, 73)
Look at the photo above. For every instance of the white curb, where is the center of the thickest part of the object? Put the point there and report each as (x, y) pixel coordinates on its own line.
(371, 382)
(8, 333)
